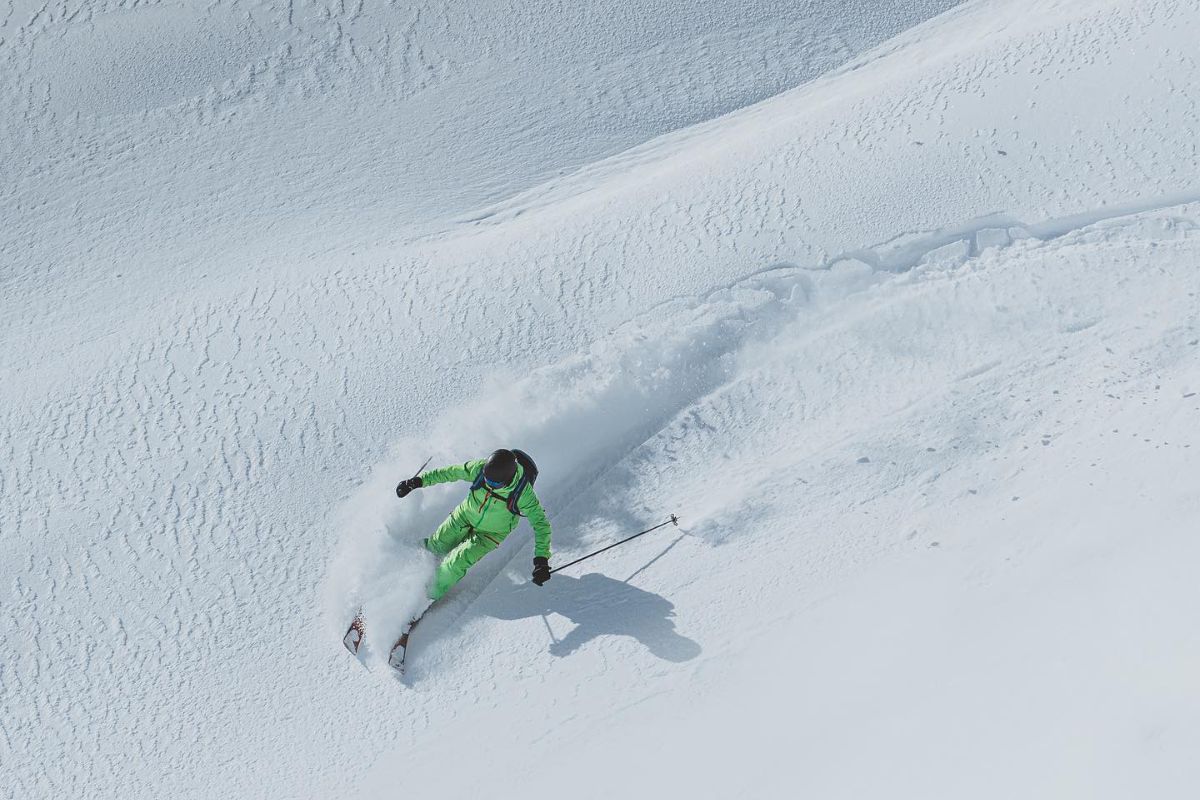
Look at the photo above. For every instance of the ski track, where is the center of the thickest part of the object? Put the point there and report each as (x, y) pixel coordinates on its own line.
(755, 308)
(765, 308)
(161, 468)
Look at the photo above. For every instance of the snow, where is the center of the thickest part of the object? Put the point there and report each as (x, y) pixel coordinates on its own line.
(894, 304)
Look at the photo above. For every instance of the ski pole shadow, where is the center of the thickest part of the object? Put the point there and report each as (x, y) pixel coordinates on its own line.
(600, 606)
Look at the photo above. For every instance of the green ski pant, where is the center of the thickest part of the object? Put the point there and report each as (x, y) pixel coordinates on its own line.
(461, 547)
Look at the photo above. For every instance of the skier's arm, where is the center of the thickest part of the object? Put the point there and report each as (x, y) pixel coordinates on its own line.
(454, 472)
(531, 507)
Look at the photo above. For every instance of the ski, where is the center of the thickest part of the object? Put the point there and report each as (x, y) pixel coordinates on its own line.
(355, 634)
(400, 648)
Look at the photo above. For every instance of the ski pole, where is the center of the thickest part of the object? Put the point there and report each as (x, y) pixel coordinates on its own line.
(674, 520)
(423, 466)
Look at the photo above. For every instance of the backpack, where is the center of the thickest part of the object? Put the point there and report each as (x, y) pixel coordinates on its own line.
(527, 478)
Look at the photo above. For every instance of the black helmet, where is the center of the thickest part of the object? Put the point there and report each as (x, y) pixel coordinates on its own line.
(501, 467)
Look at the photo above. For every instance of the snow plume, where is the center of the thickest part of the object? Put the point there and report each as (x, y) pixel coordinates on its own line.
(379, 565)
(579, 418)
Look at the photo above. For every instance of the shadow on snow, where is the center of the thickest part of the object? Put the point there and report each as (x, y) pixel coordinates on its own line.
(600, 606)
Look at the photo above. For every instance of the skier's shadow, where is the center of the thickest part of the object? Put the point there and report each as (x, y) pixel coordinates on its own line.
(600, 606)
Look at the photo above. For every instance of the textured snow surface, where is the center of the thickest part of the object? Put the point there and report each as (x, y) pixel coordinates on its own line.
(898, 309)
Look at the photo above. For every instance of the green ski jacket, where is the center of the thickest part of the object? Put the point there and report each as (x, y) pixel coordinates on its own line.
(487, 509)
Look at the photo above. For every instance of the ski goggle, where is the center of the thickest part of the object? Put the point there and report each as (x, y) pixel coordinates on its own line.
(491, 484)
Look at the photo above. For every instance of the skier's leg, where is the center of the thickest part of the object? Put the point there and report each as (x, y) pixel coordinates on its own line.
(448, 535)
(455, 565)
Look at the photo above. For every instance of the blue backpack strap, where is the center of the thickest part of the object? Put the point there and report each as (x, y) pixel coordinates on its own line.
(515, 496)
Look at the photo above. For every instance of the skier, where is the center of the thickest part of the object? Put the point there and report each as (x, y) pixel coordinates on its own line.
(501, 493)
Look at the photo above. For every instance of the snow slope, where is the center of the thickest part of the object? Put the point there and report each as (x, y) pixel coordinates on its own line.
(938, 539)
(934, 312)
(218, 136)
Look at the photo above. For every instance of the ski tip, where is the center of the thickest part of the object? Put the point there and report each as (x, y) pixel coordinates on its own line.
(396, 659)
(353, 638)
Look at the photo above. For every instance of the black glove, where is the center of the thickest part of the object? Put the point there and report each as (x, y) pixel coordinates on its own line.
(541, 570)
(407, 486)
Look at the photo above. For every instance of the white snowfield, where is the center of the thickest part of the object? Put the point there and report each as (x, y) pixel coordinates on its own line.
(896, 305)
